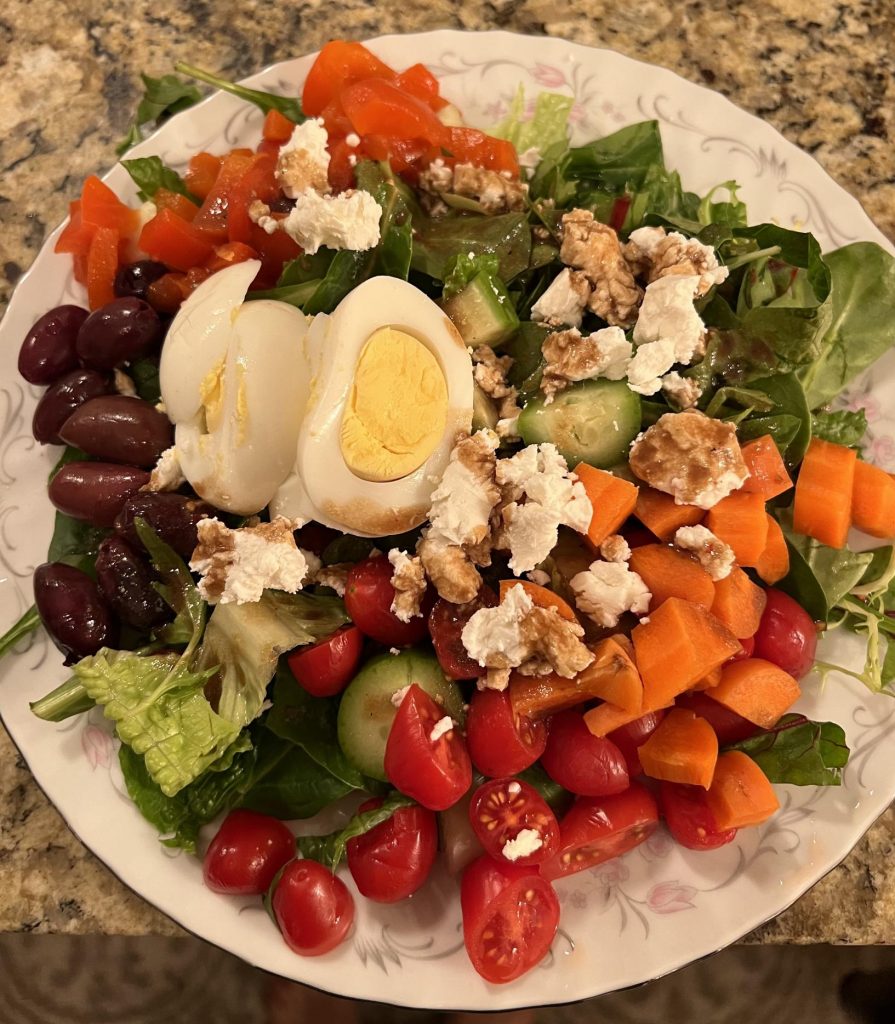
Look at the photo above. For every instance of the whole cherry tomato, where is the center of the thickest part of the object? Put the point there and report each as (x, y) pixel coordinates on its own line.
(446, 622)
(629, 738)
(313, 908)
(392, 860)
(581, 762)
(368, 599)
(327, 667)
(786, 634)
(500, 741)
(432, 768)
(510, 917)
(248, 850)
(689, 820)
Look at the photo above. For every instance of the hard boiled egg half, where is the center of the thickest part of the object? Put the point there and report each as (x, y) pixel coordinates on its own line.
(235, 383)
(390, 389)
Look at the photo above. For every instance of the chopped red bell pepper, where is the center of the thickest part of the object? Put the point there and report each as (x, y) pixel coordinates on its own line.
(174, 241)
(102, 265)
(338, 64)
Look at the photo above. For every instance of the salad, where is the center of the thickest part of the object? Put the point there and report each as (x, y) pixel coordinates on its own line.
(490, 488)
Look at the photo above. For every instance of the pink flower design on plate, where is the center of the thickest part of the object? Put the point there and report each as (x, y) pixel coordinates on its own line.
(613, 872)
(881, 451)
(97, 747)
(548, 76)
(670, 897)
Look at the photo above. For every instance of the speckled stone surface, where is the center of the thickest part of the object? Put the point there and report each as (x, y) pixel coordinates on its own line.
(821, 72)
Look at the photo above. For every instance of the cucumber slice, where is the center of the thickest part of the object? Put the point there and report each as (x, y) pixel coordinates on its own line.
(366, 711)
(484, 411)
(593, 421)
(483, 312)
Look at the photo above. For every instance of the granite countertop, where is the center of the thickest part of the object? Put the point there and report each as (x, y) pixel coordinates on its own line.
(822, 72)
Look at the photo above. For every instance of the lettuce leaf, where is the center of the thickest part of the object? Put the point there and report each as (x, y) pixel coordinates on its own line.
(799, 752)
(159, 709)
(842, 427)
(243, 642)
(547, 125)
(464, 267)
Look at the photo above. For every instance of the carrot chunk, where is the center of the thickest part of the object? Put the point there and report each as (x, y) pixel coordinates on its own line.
(757, 690)
(774, 562)
(541, 597)
(679, 645)
(613, 500)
(873, 501)
(739, 604)
(671, 573)
(740, 520)
(661, 516)
(823, 501)
(684, 748)
(606, 718)
(767, 471)
(740, 794)
(709, 680)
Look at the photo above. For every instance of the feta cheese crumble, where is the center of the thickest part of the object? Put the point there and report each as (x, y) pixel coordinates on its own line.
(349, 220)
(514, 789)
(167, 474)
(564, 301)
(615, 548)
(607, 590)
(397, 698)
(571, 356)
(684, 392)
(303, 160)
(713, 554)
(672, 253)
(237, 566)
(441, 728)
(526, 842)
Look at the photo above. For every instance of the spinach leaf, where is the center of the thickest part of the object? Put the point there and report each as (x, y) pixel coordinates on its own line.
(550, 180)
(178, 590)
(330, 849)
(170, 815)
(162, 98)
(144, 374)
(265, 101)
(437, 242)
(295, 786)
(310, 723)
(799, 752)
(843, 427)
(525, 350)
(623, 158)
(150, 174)
(788, 404)
(862, 324)
(557, 798)
(346, 548)
(819, 576)
(25, 625)
(464, 267)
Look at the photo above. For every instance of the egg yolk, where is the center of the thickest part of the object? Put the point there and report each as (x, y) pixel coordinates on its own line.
(397, 410)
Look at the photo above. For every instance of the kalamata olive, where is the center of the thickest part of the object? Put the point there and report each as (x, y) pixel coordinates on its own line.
(95, 491)
(73, 611)
(172, 516)
(61, 399)
(135, 278)
(48, 350)
(125, 580)
(120, 331)
(119, 428)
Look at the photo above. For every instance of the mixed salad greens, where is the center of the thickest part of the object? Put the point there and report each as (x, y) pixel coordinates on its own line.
(287, 704)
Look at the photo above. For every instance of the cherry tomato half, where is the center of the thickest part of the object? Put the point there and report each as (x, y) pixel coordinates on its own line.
(436, 773)
(581, 762)
(596, 829)
(510, 917)
(689, 820)
(501, 809)
(500, 741)
(248, 850)
(747, 649)
(313, 908)
(629, 738)
(728, 725)
(368, 599)
(394, 859)
(446, 622)
(786, 634)
(327, 667)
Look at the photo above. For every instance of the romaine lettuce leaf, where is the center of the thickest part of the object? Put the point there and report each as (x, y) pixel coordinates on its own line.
(243, 642)
(547, 125)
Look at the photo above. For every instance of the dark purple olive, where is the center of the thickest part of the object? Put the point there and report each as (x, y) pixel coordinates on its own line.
(119, 428)
(125, 579)
(61, 399)
(119, 332)
(73, 611)
(172, 516)
(95, 491)
(48, 350)
(135, 279)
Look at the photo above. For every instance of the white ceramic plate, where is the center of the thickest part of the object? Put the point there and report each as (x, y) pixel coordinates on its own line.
(627, 921)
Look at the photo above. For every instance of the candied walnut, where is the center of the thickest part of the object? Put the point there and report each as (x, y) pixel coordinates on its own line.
(409, 581)
(124, 385)
(712, 553)
(684, 392)
(450, 569)
(594, 248)
(690, 456)
(494, 191)
(334, 576)
(571, 356)
(652, 253)
(490, 373)
(556, 645)
(437, 177)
